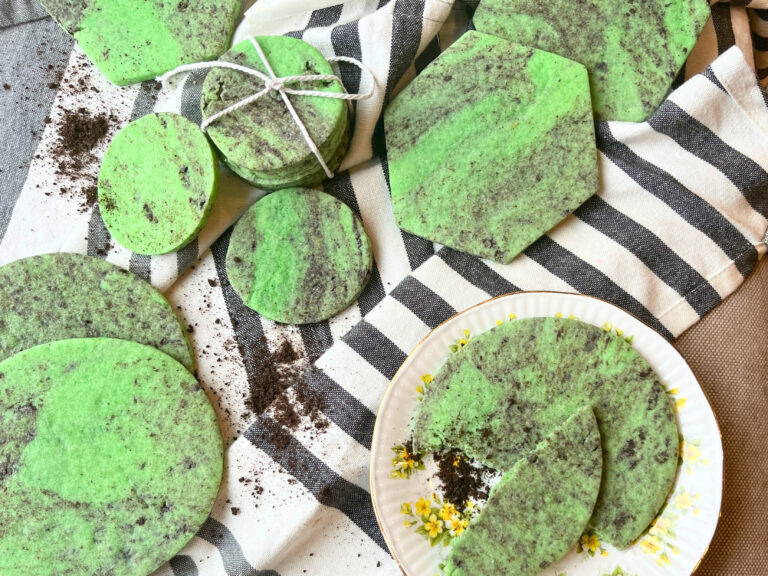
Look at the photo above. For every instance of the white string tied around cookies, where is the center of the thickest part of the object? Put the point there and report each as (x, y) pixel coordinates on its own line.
(272, 83)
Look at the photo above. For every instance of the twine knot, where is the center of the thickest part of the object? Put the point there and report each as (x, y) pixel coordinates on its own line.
(272, 83)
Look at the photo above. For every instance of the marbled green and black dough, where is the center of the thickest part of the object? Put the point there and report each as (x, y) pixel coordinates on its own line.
(60, 296)
(299, 256)
(261, 142)
(491, 146)
(539, 508)
(509, 388)
(157, 183)
(135, 40)
(110, 458)
(633, 50)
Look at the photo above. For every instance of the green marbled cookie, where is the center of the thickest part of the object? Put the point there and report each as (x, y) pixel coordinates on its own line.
(60, 296)
(110, 458)
(633, 51)
(135, 40)
(299, 256)
(491, 146)
(539, 508)
(157, 183)
(261, 142)
(509, 388)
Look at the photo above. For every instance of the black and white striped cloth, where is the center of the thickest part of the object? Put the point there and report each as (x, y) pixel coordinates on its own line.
(679, 222)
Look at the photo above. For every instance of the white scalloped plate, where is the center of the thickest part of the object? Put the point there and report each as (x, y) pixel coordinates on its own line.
(678, 541)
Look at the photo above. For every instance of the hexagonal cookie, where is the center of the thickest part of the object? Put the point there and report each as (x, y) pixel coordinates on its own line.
(490, 146)
(633, 50)
(135, 40)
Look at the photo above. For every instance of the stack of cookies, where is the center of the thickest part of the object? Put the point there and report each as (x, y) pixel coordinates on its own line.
(261, 142)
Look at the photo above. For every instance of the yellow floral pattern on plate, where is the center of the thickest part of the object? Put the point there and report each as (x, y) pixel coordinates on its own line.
(437, 520)
(659, 541)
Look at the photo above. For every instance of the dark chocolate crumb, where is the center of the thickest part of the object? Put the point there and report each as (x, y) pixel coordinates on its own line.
(461, 479)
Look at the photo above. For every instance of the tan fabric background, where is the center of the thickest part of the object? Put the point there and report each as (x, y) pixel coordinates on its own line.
(728, 352)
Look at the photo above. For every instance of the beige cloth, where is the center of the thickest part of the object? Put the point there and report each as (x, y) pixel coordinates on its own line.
(728, 352)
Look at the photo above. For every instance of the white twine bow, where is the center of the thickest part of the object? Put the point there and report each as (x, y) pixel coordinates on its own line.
(273, 83)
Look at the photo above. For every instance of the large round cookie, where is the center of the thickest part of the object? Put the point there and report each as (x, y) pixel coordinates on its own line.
(110, 458)
(59, 296)
(261, 142)
(299, 256)
(157, 183)
(509, 388)
(135, 40)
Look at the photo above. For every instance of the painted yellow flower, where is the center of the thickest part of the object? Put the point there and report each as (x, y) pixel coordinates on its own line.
(456, 461)
(447, 511)
(559, 315)
(608, 326)
(680, 404)
(405, 508)
(691, 453)
(590, 542)
(423, 506)
(604, 553)
(433, 526)
(649, 546)
(499, 322)
(427, 378)
(512, 316)
(683, 501)
(458, 525)
(663, 560)
(660, 526)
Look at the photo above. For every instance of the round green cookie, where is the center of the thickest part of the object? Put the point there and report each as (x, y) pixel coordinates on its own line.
(509, 388)
(157, 183)
(299, 256)
(59, 296)
(261, 142)
(110, 458)
(135, 40)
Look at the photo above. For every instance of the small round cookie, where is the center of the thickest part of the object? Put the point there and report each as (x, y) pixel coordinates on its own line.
(261, 142)
(59, 296)
(111, 458)
(299, 256)
(157, 183)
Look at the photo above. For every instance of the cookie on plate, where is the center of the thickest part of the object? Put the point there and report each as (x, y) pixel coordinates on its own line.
(509, 388)
(538, 510)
